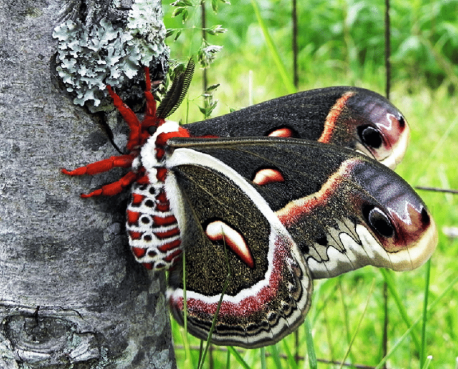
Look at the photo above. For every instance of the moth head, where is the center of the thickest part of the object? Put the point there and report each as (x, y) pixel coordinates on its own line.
(395, 216)
(381, 130)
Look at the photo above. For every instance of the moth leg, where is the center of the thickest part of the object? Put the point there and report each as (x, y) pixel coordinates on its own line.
(115, 187)
(150, 119)
(123, 161)
(131, 119)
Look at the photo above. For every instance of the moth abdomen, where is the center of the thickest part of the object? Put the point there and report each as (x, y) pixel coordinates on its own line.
(154, 234)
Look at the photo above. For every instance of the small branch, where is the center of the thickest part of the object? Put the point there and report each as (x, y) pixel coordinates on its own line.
(436, 189)
(387, 93)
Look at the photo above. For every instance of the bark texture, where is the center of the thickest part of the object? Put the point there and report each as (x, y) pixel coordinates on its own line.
(71, 295)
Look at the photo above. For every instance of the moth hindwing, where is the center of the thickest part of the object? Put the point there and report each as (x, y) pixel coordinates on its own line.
(269, 292)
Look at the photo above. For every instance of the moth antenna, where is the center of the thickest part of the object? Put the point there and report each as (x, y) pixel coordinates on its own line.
(177, 92)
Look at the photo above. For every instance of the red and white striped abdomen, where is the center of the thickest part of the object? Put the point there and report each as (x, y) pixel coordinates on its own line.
(152, 227)
(154, 236)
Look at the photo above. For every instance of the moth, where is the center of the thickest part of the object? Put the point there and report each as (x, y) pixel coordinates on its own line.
(264, 200)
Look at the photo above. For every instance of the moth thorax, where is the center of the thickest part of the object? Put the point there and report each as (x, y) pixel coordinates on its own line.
(152, 152)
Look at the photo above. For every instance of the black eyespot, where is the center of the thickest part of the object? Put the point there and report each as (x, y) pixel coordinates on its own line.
(149, 203)
(145, 220)
(152, 130)
(425, 219)
(379, 221)
(370, 136)
(402, 121)
(147, 238)
(152, 191)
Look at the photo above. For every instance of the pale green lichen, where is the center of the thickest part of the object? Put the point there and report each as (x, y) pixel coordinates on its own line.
(89, 58)
(146, 26)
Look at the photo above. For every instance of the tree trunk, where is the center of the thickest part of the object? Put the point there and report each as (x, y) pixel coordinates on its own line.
(71, 294)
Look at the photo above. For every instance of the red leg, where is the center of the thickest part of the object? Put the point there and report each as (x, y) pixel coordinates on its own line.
(123, 161)
(150, 118)
(130, 118)
(113, 188)
(150, 101)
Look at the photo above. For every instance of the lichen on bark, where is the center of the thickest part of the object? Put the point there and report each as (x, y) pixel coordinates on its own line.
(90, 56)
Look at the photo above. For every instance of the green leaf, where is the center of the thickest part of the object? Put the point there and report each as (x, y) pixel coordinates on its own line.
(185, 15)
(212, 87)
(177, 35)
(207, 53)
(218, 29)
(170, 32)
(203, 111)
(178, 11)
(211, 107)
(182, 3)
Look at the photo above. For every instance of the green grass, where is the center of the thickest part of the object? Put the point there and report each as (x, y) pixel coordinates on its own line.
(339, 316)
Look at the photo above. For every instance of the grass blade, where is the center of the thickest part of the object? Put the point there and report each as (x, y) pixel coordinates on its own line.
(431, 307)
(187, 349)
(289, 356)
(345, 316)
(438, 147)
(427, 362)
(273, 51)
(397, 299)
(425, 315)
(228, 360)
(223, 292)
(310, 346)
(357, 328)
(396, 345)
(276, 356)
(238, 357)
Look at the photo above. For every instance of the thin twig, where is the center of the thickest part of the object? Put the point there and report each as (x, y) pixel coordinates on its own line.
(436, 189)
(387, 93)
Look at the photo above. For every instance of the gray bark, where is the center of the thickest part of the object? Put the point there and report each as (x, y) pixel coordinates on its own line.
(71, 295)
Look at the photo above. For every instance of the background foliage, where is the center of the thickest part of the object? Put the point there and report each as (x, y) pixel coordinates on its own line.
(341, 42)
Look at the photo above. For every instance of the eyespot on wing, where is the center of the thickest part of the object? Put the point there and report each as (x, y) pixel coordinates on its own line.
(396, 215)
(382, 131)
